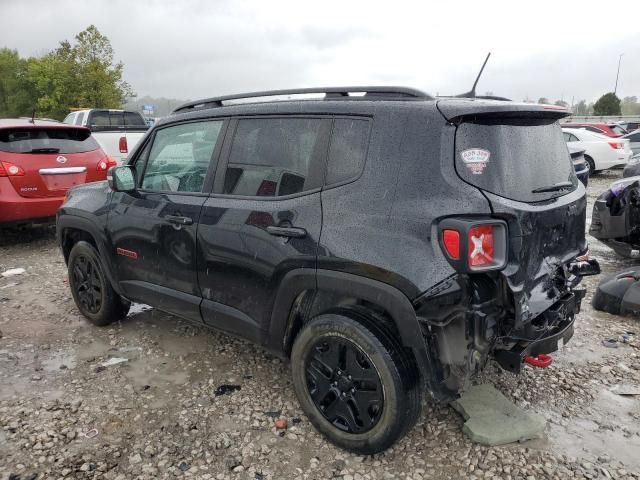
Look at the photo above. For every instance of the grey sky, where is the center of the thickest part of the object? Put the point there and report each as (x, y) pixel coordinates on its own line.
(197, 48)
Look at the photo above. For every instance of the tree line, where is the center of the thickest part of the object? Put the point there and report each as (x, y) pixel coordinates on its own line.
(78, 74)
(607, 104)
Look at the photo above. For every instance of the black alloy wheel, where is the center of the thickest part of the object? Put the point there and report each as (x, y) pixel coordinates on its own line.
(344, 385)
(88, 284)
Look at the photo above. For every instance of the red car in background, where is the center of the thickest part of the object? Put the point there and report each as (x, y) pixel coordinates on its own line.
(609, 129)
(39, 161)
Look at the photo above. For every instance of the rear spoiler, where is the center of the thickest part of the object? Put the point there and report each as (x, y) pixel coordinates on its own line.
(456, 110)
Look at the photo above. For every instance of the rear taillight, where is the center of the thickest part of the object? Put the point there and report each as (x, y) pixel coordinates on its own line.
(106, 164)
(124, 148)
(473, 245)
(10, 170)
(616, 145)
(481, 247)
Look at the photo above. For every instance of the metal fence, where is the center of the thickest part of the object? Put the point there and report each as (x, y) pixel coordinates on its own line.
(601, 119)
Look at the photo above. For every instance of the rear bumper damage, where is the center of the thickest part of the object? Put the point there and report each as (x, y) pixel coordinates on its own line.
(469, 319)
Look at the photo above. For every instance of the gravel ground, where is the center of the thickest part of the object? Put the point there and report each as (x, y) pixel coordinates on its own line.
(63, 415)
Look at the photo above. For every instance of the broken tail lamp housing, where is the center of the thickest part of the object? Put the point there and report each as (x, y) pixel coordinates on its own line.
(474, 245)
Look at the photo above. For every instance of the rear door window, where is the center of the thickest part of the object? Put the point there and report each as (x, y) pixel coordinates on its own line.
(273, 157)
(348, 149)
(512, 158)
(47, 140)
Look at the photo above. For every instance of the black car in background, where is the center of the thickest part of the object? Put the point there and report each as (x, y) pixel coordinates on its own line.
(388, 243)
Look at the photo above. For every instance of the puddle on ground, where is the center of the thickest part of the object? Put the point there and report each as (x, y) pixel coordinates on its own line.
(610, 429)
(60, 360)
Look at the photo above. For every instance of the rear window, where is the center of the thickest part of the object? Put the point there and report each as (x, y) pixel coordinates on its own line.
(618, 129)
(46, 140)
(106, 118)
(515, 157)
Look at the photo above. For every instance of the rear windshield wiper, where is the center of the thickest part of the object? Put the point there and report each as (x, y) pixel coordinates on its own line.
(45, 150)
(553, 188)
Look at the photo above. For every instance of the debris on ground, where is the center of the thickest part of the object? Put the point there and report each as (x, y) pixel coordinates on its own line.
(13, 272)
(626, 390)
(114, 361)
(281, 423)
(226, 389)
(610, 342)
(492, 419)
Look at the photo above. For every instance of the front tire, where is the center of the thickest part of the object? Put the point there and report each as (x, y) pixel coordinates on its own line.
(355, 382)
(93, 294)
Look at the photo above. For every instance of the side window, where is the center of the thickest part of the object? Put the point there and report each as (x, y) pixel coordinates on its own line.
(179, 157)
(348, 149)
(635, 137)
(567, 136)
(79, 119)
(573, 138)
(69, 118)
(276, 156)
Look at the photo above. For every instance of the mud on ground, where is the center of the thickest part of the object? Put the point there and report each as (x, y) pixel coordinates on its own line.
(157, 415)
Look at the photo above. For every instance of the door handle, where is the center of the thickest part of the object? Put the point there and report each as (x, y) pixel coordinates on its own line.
(291, 232)
(178, 220)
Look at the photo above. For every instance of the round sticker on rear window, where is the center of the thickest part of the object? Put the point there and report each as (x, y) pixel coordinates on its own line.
(475, 159)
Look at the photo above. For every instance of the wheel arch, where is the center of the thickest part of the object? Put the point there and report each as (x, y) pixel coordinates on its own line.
(71, 230)
(303, 291)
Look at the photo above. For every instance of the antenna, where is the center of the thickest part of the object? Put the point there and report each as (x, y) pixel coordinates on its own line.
(472, 93)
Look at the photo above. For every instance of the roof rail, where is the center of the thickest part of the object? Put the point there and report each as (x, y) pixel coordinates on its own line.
(330, 93)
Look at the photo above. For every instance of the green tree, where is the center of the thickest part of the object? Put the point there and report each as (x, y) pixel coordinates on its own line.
(561, 103)
(100, 79)
(16, 96)
(581, 108)
(630, 106)
(543, 100)
(79, 74)
(608, 104)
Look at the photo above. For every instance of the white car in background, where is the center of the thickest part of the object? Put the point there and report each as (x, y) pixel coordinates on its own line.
(601, 152)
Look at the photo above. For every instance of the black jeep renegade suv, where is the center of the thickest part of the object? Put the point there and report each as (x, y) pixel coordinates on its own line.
(385, 241)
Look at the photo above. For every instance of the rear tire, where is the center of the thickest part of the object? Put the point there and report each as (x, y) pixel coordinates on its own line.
(354, 381)
(591, 164)
(92, 292)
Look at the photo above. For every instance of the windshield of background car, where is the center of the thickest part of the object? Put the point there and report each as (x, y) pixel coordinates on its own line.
(514, 157)
(46, 140)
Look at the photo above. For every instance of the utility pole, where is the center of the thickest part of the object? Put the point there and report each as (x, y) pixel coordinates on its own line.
(618, 74)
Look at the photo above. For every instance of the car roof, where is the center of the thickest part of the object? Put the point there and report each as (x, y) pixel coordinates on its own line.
(27, 123)
(599, 136)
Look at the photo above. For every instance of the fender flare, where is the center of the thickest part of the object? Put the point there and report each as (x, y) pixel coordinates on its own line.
(86, 225)
(388, 297)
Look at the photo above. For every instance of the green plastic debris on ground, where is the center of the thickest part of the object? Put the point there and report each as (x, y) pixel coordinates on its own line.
(492, 419)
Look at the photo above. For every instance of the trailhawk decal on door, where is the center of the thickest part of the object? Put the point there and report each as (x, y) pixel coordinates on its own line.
(127, 253)
(475, 159)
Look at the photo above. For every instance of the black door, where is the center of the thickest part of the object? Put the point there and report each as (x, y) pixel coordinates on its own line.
(153, 230)
(263, 219)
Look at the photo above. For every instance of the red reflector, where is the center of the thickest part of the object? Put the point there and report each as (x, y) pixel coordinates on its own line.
(481, 249)
(616, 145)
(123, 145)
(451, 241)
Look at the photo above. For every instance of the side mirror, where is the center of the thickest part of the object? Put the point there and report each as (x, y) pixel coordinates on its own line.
(122, 179)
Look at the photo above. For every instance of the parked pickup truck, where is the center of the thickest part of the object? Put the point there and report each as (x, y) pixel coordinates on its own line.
(117, 131)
